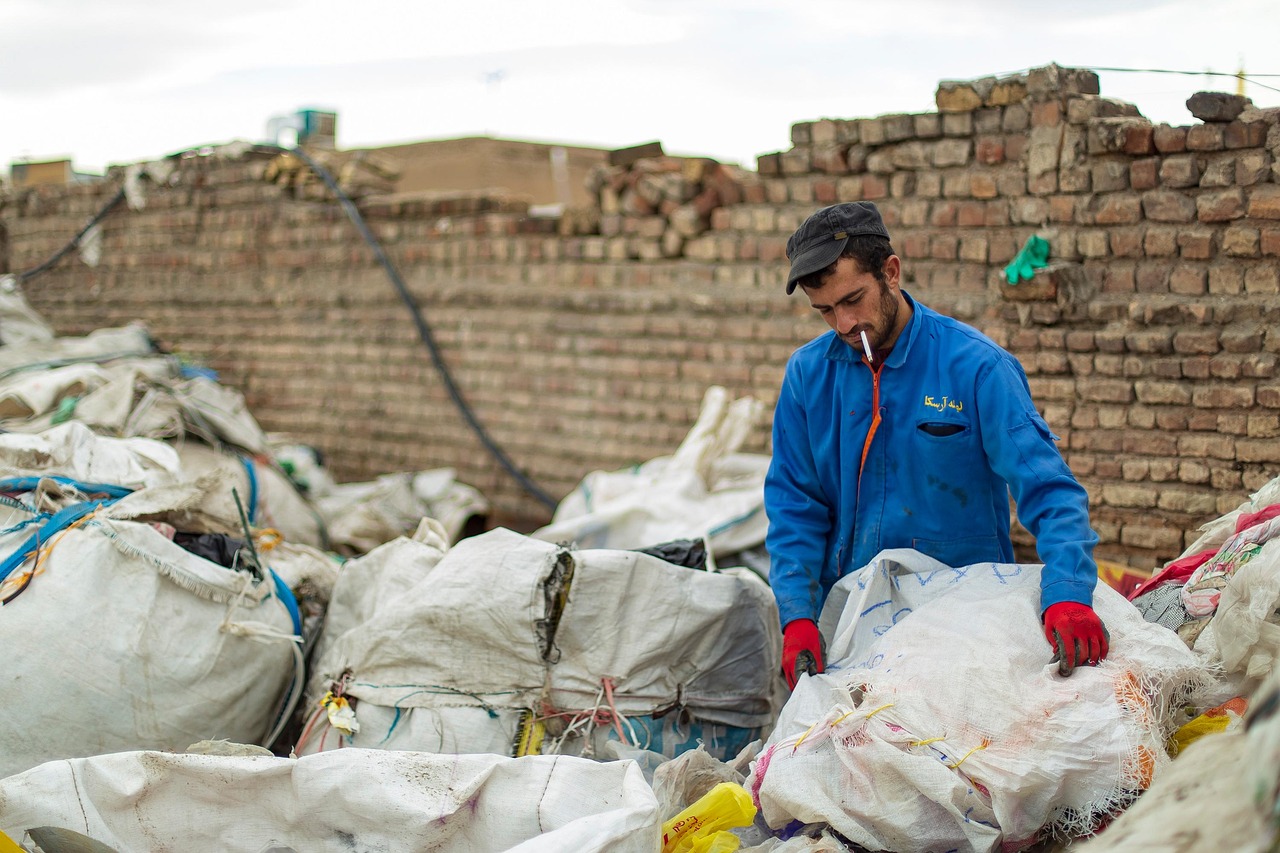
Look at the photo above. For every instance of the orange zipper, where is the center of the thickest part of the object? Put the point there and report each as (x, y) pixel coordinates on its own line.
(875, 418)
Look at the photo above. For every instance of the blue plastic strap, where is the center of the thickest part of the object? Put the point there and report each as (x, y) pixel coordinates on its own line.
(61, 520)
(252, 509)
(26, 484)
(287, 599)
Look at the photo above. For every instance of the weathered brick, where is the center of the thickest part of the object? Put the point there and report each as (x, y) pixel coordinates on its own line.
(1222, 397)
(1063, 208)
(1169, 140)
(1226, 278)
(1255, 450)
(1201, 446)
(1093, 243)
(1180, 171)
(1220, 205)
(1107, 391)
(1144, 174)
(1262, 279)
(1196, 244)
(1263, 426)
(989, 150)
(1162, 393)
(1241, 241)
(1155, 341)
(1242, 338)
(1193, 471)
(1185, 501)
(1110, 176)
(1219, 171)
(1264, 202)
(1126, 242)
(1240, 134)
(982, 185)
(1129, 496)
(1258, 366)
(1252, 167)
(1153, 276)
(1168, 206)
(1118, 209)
(1205, 137)
(1188, 280)
(1159, 241)
(1195, 341)
(1151, 537)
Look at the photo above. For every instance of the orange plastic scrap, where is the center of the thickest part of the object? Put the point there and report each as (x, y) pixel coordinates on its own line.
(1228, 716)
(1133, 700)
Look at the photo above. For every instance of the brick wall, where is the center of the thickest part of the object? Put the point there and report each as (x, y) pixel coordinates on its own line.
(1150, 341)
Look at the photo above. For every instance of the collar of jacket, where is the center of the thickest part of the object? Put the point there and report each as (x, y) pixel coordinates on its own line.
(838, 350)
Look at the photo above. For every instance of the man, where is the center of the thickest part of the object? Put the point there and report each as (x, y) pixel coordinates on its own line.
(903, 428)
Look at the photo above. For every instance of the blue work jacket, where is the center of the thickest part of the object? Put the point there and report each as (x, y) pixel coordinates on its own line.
(957, 434)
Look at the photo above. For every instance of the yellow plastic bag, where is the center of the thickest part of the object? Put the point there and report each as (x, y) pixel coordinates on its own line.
(700, 828)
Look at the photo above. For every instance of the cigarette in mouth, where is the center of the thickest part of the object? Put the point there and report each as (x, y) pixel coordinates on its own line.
(866, 347)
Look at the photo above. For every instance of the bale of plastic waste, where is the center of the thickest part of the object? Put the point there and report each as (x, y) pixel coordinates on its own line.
(508, 644)
(941, 722)
(705, 490)
(134, 634)
(346, 800)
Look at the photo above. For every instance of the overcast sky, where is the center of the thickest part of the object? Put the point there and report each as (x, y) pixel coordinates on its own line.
(129, 80)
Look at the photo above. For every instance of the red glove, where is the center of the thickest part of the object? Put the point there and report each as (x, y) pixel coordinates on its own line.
(1076, 634)
(801, 650)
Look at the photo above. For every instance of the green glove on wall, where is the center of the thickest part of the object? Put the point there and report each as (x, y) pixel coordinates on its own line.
(1033, 255)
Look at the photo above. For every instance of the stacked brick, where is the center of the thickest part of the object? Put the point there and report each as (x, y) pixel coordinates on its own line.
(584, 344)
(650, 205)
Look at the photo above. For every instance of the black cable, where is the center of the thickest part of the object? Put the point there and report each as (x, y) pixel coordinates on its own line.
(424, 330)
(75, 241)
(1249, 78)
(1246, 77)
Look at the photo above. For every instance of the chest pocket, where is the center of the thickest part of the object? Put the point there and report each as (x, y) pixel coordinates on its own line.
(941, 433)
(939, 429)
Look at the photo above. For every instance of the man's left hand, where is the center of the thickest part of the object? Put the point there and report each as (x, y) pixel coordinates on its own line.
(1076, 634)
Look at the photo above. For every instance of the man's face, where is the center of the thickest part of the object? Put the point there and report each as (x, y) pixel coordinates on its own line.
(852, 302)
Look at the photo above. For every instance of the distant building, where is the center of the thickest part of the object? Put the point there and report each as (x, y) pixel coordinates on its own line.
(31, 173)
(544, 172)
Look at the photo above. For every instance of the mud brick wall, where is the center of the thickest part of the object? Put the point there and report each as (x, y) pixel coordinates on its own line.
(1150, 340)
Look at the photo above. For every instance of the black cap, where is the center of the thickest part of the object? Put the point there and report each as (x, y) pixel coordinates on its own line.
(821, 238)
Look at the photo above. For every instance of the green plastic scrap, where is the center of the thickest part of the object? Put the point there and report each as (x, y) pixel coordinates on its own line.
(66, 410)
(1033, 255)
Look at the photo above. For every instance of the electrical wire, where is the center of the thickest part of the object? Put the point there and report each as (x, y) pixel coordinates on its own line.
(75, 241)
(1248, 78)
(424, 329)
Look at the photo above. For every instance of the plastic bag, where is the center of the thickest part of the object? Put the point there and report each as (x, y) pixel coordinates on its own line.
(699, 828)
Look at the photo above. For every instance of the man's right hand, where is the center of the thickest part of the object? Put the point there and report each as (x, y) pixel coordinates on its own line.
(801, 650)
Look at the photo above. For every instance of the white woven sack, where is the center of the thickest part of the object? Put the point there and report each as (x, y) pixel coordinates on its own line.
(704, 490)
(101, 345)
(350, 799)
(19, 322)
(470, 631)
(124, 640)
(941, 723)
(73, 450)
